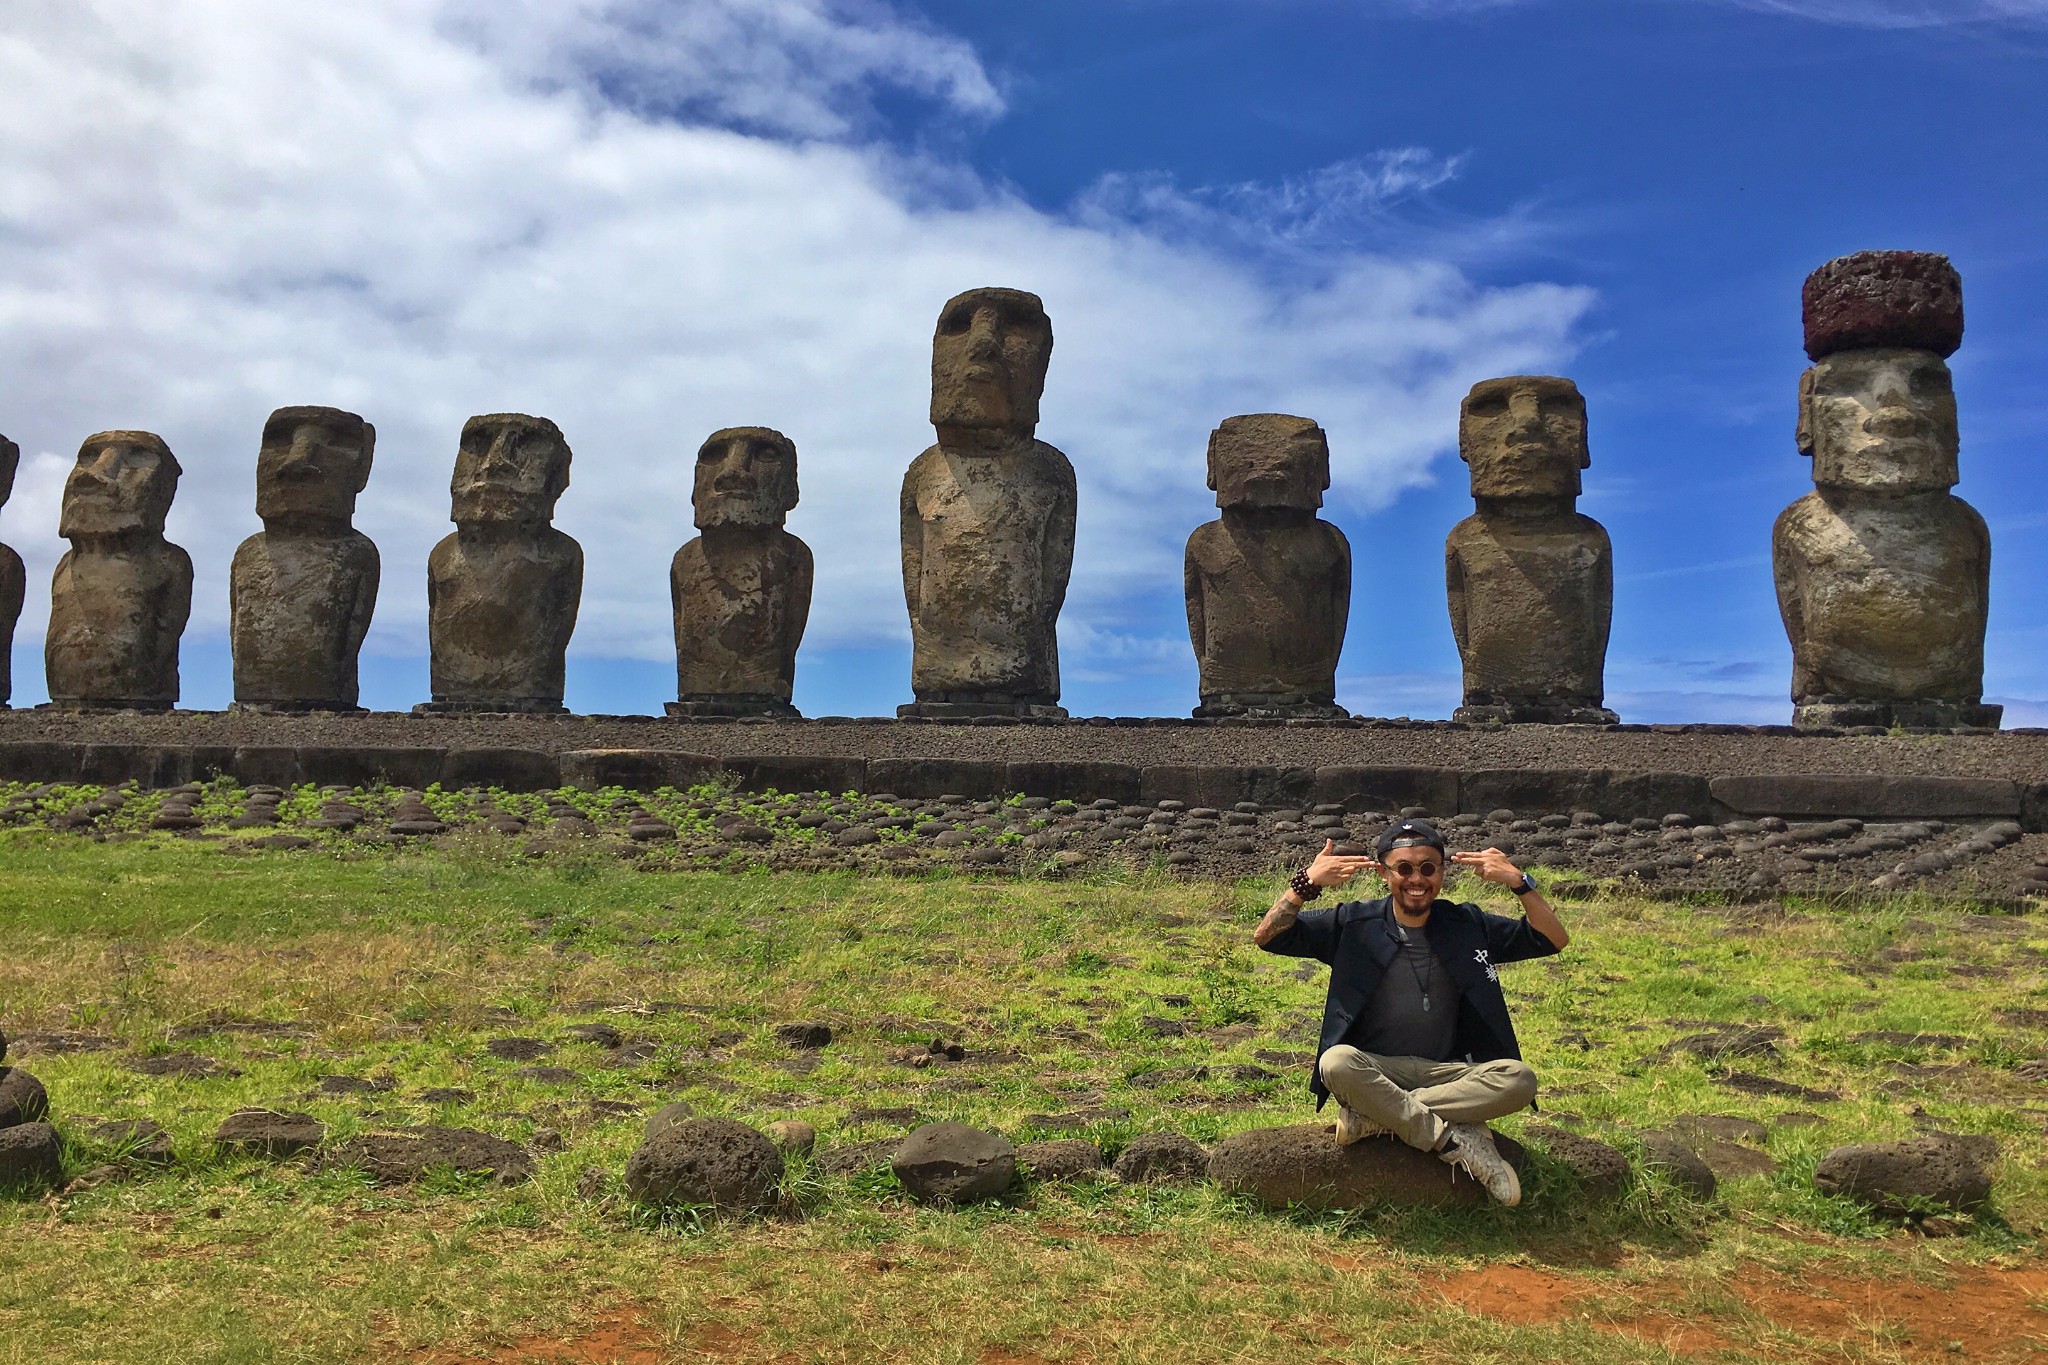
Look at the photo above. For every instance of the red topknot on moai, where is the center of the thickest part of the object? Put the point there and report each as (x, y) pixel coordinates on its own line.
(1882, 573)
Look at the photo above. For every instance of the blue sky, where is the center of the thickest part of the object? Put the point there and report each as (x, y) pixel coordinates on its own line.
(649, 220)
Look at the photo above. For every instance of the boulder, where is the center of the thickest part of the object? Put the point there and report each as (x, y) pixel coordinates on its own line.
(716, 1161)
(1060, 1159)
(1162, 1159)
(266, 1132)
(1668, 1155)
(405, 1155)
(1602, 1171)
(22, 1097)
(29, 1155)
(951, 1163)
(807, 1034)
(1904, 1177)
(1302, 1165)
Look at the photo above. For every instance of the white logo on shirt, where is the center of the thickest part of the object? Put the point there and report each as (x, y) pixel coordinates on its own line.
(1491, 973)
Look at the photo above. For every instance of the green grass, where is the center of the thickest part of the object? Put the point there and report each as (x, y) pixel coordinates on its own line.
(399, 964)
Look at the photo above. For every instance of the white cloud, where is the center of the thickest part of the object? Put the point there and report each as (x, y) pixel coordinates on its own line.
(1903, 13)
(421, 213)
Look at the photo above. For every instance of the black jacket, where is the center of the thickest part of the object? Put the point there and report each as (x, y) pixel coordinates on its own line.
(1353, 939)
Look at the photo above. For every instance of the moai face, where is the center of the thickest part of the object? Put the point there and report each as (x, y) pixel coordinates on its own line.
(1524, 437)
(746, 476)
(1269, 460)
(988, 361)
(313, 463)
(510, 470)
(1880, 420)
(123, 482)
(10, 460)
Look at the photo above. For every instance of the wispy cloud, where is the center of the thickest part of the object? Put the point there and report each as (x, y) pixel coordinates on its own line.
(1881, 14)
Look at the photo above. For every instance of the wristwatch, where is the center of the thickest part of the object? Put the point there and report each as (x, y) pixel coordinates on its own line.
(1528, 885)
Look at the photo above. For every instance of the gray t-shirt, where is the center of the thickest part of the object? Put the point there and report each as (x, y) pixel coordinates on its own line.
(1397, 1024)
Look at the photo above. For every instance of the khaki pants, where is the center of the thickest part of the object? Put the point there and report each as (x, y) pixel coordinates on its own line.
(1414, 1098)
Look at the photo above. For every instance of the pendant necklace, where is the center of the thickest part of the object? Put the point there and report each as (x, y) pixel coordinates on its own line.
(1421, 975)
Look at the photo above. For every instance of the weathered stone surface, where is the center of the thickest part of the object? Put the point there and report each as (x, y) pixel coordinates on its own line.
(1059, 1159)
(1903, 1177)
(300, 592)
(22, 1097)
(1268, 584)
(667, 1117)
(951, 1163)
(1867, 796)
(987, 519)
(636, 769)
(804, 1034)
(1303, 1165)
(1360, 789)
(503, 590)
(13, 582)
(121, 593)
(1162, 1159)
(1603, 1171)
(29, 1155)
(1883, 575)
(1669, 1155)
(405, 1155)
(1907, 299)
(716, 1161)
(1530, 580)
(266, 1132)
(741, 591)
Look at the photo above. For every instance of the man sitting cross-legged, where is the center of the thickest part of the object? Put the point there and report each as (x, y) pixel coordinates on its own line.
(1416, 1039)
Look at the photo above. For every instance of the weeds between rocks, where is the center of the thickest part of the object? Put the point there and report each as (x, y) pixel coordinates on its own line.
(364, 985)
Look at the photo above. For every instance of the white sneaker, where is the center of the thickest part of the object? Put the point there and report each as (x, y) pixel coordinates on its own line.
(1471, 1150)
(1352, 1126)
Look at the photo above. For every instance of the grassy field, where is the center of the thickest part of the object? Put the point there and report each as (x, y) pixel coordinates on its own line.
(396, 967)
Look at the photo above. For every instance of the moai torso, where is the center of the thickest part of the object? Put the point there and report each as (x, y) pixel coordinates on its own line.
(742, 589)
(122, 593)
(987, 519)
(1530, 581)
(1883, 576)
(1268, 585)
(13, 577)
(503, 590)
(301, 591)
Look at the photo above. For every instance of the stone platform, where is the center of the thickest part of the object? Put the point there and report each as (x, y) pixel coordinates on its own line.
(1708, 772)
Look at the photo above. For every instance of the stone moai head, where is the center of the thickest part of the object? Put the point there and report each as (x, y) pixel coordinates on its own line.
(988, 361)
(1877, 409)
(510, 470)
(1269, 460)
(312, 464)
(746, 476)
(1524, 437)
(10, 460)
(123, 482)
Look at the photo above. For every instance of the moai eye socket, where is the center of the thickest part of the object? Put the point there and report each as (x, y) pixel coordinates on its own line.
(956, 320)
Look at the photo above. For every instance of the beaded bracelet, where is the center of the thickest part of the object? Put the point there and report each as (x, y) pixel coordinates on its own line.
(1303, 887)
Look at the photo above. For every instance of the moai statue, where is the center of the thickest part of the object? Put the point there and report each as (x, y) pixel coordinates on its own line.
(742, 589)
(1531, 581)
(1883, 575)
(301, 590)
(122, 593)
(1268, 584)
(988, 520)
(13, 577)
(502, 591)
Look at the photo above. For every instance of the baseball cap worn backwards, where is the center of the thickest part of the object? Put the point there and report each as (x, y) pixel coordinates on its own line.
(1408, 834)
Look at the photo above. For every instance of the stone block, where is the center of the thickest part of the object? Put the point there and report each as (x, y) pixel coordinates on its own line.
(1655, 795)
(152, 765)
(924, 778)
(344, 765)
(1532, 789)
(1302, 1166)
(519, 770)
(275, 765)
(1867, 796)
(798, 772)
(1388, 789)
(1120, 782)
(635, 769)
(40, 760)
(1224, 786)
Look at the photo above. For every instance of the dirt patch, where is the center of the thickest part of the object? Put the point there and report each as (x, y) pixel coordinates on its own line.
(1985, 1313)
(621, 1337)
